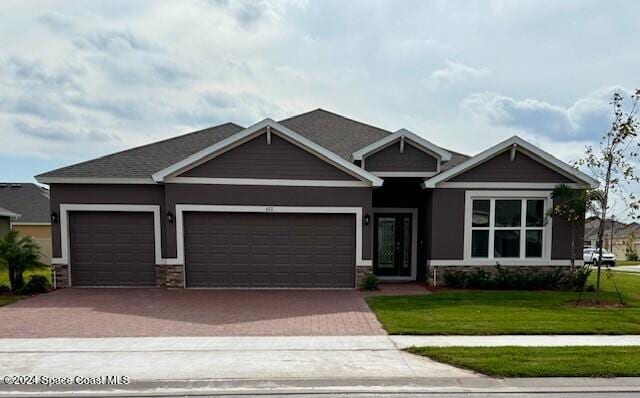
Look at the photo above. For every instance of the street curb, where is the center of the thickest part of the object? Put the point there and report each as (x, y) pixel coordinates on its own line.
(163, 388)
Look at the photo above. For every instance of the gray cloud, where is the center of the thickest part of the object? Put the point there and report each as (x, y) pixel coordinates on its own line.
(31, 72)
(246, 12)
(56, 22)
(39, 106)
(64, 135)
(587, 119)
(115, 42)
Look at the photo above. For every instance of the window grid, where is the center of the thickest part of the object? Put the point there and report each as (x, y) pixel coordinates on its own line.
(523, 228)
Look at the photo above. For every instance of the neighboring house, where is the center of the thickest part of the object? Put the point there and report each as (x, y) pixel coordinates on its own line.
(6, 216)
(313, 201)
(31, 203)
(622, 234)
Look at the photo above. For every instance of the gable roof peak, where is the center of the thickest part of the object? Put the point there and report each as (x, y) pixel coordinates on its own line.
(256, 129)
(424, 144)
(528, 147)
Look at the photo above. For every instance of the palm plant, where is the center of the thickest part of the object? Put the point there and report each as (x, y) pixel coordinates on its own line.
(19, 254)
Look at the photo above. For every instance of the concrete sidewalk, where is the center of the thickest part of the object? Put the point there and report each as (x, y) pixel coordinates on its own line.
(257, 365)
(632, 269)
(169, 361)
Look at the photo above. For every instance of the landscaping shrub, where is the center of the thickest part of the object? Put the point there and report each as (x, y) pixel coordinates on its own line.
(4, 289)
(454, 279)
(507, 279)
(37, 284)
(370, 282)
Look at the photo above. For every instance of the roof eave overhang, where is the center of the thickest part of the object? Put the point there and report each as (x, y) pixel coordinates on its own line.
(582, 180)
(92, 180)
(229, 142)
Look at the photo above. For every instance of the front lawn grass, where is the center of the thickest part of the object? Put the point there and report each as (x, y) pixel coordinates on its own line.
(476, 312)
(540, 361)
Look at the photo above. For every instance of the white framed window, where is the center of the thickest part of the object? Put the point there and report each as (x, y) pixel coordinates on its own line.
(508, 226)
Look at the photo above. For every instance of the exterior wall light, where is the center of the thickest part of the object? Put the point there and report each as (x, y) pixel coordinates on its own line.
(54, 217)
(170, 217)
(367, 219)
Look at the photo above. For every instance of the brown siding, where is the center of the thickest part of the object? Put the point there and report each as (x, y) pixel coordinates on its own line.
(390, 159)
(103, 194)
(257, 159)
(502, 169)
(446, 233)
(268, 196)
(561, 240)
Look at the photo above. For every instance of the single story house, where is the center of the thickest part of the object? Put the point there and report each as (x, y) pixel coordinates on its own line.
(6, 216)
(624, 236)
(31, 204)
(313, 201)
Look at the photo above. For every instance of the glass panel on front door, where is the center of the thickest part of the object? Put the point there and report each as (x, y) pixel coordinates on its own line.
(386, 242)
(392, 251)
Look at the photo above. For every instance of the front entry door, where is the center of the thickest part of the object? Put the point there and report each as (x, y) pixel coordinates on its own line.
(392, 241)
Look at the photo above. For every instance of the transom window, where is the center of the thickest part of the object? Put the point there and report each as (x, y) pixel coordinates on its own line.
(507, 228)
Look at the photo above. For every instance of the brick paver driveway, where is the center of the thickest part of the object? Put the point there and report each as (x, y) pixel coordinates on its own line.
(159, 312)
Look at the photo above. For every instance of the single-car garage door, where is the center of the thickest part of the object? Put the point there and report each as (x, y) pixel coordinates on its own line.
(112, 249)
(270, 250)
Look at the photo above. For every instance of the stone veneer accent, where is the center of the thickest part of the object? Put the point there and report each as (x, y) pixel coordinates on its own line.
(61, 272)
(169, 276)
(441, 269)
(361, 272)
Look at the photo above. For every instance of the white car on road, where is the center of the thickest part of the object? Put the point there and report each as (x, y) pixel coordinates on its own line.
(591, 255)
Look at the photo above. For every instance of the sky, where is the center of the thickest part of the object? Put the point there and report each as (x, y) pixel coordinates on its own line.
(83, 79)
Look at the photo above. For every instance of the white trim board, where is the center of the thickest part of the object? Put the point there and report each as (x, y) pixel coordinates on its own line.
(65, 208)
(504, 185)
(503, 262)
(266, 181)
(255, 130)
(419, 142)
(518, 195)
(403, 173)
(181, 208)
(522, 145)
(414, 240)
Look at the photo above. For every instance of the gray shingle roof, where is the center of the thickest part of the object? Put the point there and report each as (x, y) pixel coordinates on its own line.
(143, 161)
(620, 229)
(29, 200)
(7, 213)
(337, 133)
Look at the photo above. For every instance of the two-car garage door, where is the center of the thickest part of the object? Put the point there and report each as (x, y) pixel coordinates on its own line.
(274, 250)
(269, 250)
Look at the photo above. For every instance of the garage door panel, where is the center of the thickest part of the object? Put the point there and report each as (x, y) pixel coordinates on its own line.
(269, 250)
(112, 249)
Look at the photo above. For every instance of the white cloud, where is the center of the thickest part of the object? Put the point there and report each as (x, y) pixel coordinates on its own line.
(456, 72)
